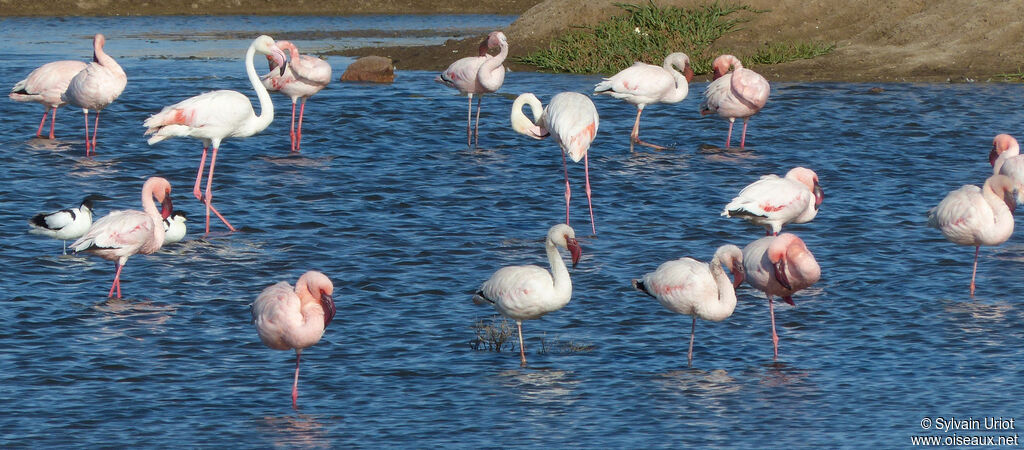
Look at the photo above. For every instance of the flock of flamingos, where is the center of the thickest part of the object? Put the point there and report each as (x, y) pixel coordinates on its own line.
(294, 318)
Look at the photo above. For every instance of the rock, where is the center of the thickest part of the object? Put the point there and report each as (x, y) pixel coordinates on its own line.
(375, 69)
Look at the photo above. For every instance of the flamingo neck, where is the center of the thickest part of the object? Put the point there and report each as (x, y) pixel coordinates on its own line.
(262, 121)
(1010, 152)
(490, 65)
(682, 88)
(1002, 207)
(726, 303)
(521, 123)
(560, 274)
(312, 312)
(104, 60)
(149, 207)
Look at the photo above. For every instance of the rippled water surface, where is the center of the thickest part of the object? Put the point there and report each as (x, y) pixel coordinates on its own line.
(386, 199)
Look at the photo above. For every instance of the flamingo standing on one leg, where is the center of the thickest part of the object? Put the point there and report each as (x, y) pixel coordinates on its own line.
(773, 201)
(643, 84)
(973, 216)
(70, 223)
(45, 86)
(289, 318)
(779, 265)
(215, 115)
(737, 94)
(95, 87)
(1006, 160)
(572, 120)
(477, 75)
(121, 234)
(529, 292)
(303, 76)
(688, 286)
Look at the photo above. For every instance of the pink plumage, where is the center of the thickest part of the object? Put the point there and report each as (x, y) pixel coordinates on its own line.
(733, 95)
(294, 318)
(45, 85)
(95, 87)
(477, 75)
(124, 233)
(1006, 160)
(773, 201)
(303, 76)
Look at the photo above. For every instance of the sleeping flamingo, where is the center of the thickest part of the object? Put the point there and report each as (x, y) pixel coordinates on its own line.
(477, 75)
(529, 292)
(95, 87)
(779, 265)
(303, 76)
(289, 317)
(121, 234)
(571, 119)
(973, 216)
(643, 84)
(773, 202)
(1006, 159)
(215, 115)
(737, 94)
(70, 223)
(45, 86)
(688, 286)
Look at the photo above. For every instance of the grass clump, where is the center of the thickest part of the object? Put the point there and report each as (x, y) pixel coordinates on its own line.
(492, 335)
(780, 52)
(645, 33)
(1015, 77)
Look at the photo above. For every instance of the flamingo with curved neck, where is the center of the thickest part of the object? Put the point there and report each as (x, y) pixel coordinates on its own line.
(95, 87)
(215, 115)
(477, 75)
(737, 94)
(1006, 160)
(301, 77)
(643, 84)
(688, 286)
(529, 292)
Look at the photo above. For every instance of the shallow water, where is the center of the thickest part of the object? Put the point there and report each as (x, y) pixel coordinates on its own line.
(387, 201)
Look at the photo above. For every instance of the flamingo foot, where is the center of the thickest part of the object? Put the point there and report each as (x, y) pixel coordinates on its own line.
(637, 140)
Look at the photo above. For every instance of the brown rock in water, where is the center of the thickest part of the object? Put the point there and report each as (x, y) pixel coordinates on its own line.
(375, 69)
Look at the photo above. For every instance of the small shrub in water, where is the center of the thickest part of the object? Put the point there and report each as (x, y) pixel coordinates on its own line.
(492, 335)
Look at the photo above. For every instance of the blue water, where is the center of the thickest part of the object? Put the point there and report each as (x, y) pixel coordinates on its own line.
(386, 199)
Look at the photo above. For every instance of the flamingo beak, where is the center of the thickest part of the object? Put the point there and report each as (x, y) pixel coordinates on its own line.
(992, 156)
(789, 300)
(819, 195)
(574, 250)
(484, 46)
(738, 276)
(780, 274)
(167, 208)
(688, 73)
(327, 302)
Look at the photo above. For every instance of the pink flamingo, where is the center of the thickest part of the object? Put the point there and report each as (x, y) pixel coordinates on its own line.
(643, 84)
(973, 216)
(529, 292)
(303, 76)
(737, 94)
(773, 201)
(779, 265)
(45, 86)
(1006, 160)
(687, 286)
(571, 119)
(477, 75)
(95, 87)
(215, 115)
(289, 317)
(121, 234)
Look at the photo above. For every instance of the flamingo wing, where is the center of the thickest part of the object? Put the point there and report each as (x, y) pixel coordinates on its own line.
(680, 284)
(312, 70)
(201, 116)
(119, 230)
(638, 84)
(770, 198)
(513, 289)
(718, 93)
(572, 118)
(1014, 168)
(276, 312)
(961, 215)
(462, 74)
(751, 87)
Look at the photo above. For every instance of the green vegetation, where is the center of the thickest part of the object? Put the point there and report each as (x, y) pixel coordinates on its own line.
(649, 33)
(1017, 77)
(780, 52)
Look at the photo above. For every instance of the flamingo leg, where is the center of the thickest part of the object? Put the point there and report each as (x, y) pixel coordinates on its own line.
(728, 137)
(295, 384)
(298, 140)
(743, 137)
(469, 123)
(476, 129)
(39, 132)
(199, 177)
(635, 136)
(590, 204)
(53, 121)
(522, 349)
(87, 145)
(291, 132)
(117, 281)
(975, 271)
(689, 354)
(95, 129)
(568, 194)
(775, 337)
(209, 196)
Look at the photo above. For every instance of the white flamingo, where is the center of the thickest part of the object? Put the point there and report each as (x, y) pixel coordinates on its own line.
(95, 87)
(571, 119)
(687, 286)
(477, 75)
(70, 223)
(303, 76)
(644, 84)
(45, 85)
(294, 318)
(737, 94)
(973, 216)
(216, 115)
(529, 292)
(773, 201)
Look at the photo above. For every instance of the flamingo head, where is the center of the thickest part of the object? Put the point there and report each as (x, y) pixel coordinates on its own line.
(723, 64)
(265, 45)
(321, 289)
(493, 40)
(1003, 143)
(160, 189)
(563, 235)
(809, 178)
(1004, 187)
(732, 256)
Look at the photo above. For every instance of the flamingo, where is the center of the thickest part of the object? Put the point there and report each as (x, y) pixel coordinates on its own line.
(215, 115)
(289, 317)
(643, 84)
(477, 75)
(529, 292)
(773, 201)
(688, 286)
(737, 94)
(571, 119)
(45, 86)
(95, 87)
(1006, 160)
(779, 265)
(973, 216)
(174, 227)
(70, 223)
(121, 234)
(302, 77)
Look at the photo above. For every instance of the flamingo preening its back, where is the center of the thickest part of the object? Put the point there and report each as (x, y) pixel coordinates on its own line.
(301, 77)
(733, 95)
(774, 201)
(478, 75)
